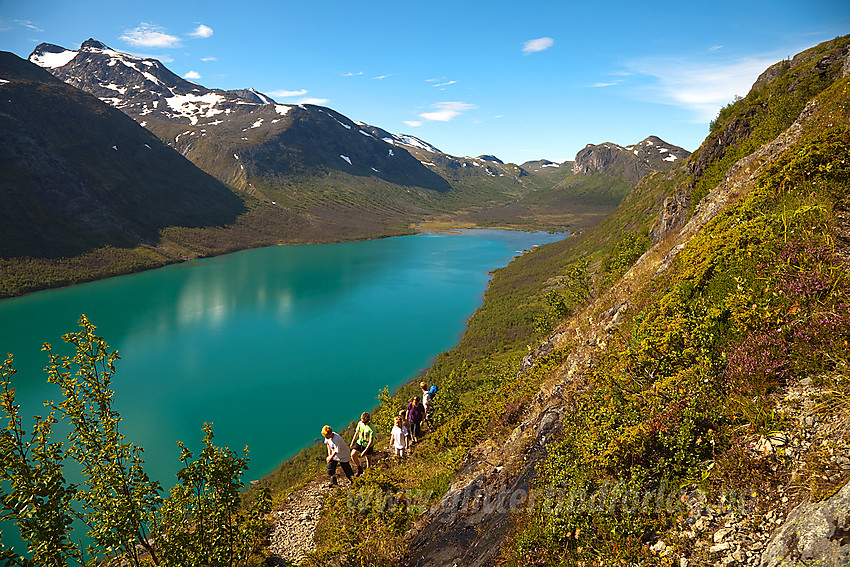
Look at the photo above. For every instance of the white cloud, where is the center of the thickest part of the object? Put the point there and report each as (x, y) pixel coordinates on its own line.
(192, 75)
(446, 111)
(357, 74)
(202, 31)
(600, 85)
(381, 77)
(539, 44)
(715, 48)
(284, 94)
(318, 101)
(208, 59)
(149, 35)
(699, 87)
(447, 83)
(28, 24)
(413, 123)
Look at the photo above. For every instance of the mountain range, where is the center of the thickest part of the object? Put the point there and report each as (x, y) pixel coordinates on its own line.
(224, 170)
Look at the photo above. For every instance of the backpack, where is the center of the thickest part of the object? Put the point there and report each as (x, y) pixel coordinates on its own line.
(433, 391)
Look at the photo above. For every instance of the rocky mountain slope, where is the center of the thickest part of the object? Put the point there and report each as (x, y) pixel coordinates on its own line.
(630, 162)
(242, 137)
(79, 175)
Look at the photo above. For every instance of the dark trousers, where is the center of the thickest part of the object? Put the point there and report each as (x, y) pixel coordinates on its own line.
(346, 468)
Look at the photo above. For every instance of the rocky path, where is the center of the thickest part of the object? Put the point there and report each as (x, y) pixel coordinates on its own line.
(292, 534)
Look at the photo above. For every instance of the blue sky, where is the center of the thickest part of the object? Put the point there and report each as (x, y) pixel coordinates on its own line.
(521, 80)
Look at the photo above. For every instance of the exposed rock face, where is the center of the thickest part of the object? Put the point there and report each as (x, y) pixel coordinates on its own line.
(835, 63)
(813, 534)
(630, 162)
(715, 145)
(468, 525)
(673, 215)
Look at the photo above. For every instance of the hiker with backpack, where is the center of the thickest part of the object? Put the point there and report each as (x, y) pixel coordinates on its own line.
(415, 415)
(427, 396)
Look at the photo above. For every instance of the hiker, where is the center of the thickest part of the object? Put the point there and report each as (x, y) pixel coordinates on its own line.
(361, 443)
(338, 454)
(427, 397)
(415, 413)
(398, 437)
(426, 400)
(405, 425)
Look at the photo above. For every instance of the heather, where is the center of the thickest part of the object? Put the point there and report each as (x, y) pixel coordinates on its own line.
(755, 303)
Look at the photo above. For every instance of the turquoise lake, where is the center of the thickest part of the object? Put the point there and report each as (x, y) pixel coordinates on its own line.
(267, 344)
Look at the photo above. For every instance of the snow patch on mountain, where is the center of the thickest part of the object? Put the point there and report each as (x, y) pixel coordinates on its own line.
(194, 107)
(53, 60)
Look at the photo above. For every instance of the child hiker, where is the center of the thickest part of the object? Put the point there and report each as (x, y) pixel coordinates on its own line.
(398, 437)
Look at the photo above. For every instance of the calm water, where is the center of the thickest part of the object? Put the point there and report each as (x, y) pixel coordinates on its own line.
(267, 344)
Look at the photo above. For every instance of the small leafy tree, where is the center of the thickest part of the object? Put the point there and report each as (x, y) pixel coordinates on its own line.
(118, 497)
(39, 499)
(200, 523)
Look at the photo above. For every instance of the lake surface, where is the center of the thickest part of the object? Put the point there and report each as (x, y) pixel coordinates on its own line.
(267, 344)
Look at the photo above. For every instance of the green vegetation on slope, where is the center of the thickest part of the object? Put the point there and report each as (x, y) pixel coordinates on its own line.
(758, 301)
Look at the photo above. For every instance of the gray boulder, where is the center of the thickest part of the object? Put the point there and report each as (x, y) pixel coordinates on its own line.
(814, 534)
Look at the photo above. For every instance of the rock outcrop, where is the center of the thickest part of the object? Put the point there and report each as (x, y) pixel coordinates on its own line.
(630, 162)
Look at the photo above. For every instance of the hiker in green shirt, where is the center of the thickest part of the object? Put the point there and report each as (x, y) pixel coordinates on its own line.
(361, 444)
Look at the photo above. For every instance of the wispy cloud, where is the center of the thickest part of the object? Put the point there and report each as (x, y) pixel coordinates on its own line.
(381, 77)
(413, 123)
(602, 85)
(539, 44)
(192, 75)
(445, 111)
(351, 74)
(28, 24)
(700, 87)
(284, 94)
(314, 101)
(208, 59)
(202, 31)
(715, 48)
(150, 35)
(447, 83)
